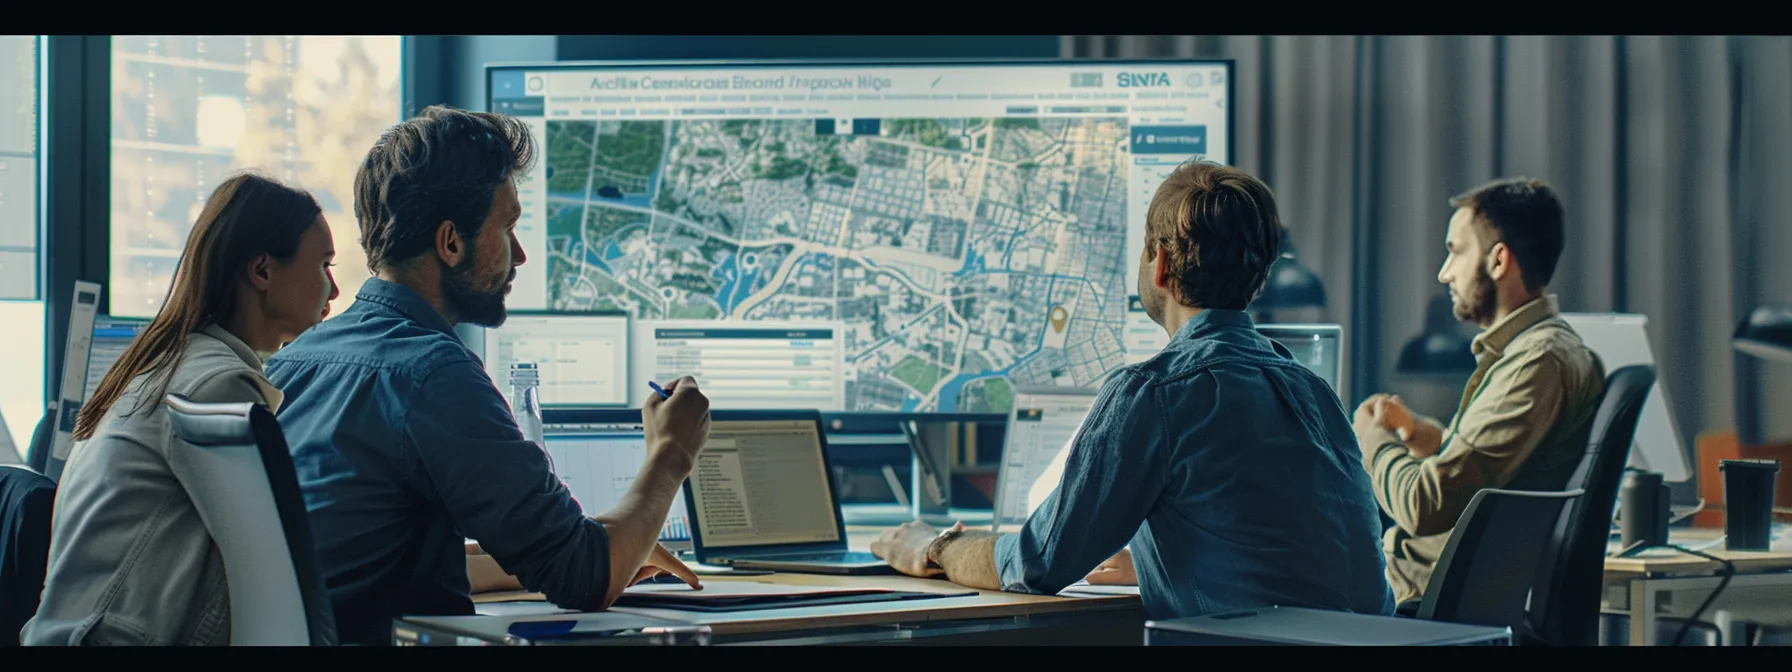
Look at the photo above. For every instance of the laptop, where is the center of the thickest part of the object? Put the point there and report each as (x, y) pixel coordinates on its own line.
(762, 496)
(1042, 424)
(596, 454)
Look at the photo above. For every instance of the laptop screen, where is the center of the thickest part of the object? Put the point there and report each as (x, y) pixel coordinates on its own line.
(111, 337)
(598, 461)
(1319, 347)
(1040, 429)
(763, 482)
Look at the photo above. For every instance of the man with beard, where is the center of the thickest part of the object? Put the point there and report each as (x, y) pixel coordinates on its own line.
(1524, 415)
(403, 446)
(1226, 463)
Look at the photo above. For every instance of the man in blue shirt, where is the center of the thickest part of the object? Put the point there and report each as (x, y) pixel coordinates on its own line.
(1231, 468)
(404, 447)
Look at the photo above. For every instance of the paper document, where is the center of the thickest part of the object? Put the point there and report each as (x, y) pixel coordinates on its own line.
(733, 590)
(1086, 589)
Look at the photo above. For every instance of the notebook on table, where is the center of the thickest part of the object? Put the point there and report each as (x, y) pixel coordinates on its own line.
(718, 596)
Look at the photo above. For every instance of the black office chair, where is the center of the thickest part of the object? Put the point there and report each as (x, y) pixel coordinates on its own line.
(37, 455)
(1565, 606)
(26, 498)
(1483, 578)
(233, 462)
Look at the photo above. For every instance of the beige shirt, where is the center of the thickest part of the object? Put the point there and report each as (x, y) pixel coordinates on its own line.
(131, 563)
(1522, 425)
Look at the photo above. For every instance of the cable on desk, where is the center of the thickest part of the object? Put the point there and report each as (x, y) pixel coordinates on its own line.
(1729, 571)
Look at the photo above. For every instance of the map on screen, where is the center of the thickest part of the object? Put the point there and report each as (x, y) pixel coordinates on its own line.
(968, 245)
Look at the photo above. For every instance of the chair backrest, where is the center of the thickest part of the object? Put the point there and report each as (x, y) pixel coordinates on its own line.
(38, 453)
(26, 498)
(238, 473)
(1565, 607)
(1485, 573)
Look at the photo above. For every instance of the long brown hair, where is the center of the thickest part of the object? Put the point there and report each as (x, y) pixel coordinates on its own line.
(246, 216)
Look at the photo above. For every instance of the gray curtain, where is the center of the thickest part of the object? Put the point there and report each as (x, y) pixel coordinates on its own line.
(1673, 154)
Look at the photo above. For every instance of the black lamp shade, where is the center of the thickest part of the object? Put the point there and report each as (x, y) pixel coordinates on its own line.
(1290, 287)
(1766, 333)
(1432, 353)
(1441, 349)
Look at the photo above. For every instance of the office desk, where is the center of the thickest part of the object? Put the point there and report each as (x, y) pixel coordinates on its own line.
(989, 617)
(1668, 583)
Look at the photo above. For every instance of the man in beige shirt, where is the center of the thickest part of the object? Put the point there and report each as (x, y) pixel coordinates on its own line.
(1524, 416)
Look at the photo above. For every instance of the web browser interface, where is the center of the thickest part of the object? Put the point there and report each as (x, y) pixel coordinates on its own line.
(974, 227)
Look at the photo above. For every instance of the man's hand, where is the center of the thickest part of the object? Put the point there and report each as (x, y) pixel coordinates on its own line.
(678, 423)
(905, 548)
(1115, 571)
(661, 561)
(1366, 417)
(1394, 415)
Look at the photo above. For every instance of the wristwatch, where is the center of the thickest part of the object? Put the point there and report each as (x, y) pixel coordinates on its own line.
(939, 544)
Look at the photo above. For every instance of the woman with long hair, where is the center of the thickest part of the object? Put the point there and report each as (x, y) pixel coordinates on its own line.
(130, 561)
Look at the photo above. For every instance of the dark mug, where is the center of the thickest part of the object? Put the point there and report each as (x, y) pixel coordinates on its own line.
(1643, 509)
(1748, 503)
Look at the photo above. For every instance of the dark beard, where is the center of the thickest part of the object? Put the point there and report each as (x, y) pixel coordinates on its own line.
(471, 303)
(1478, 309)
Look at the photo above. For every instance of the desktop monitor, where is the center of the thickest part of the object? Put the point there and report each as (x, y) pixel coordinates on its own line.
(111, 336)
(974, 225)
(1621, 340)
(583, 359)
(743, 365)
(1319, 347)
(596, 453)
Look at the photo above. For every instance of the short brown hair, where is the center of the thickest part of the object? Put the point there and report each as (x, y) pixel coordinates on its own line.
(1526, 215)
(443, 164)
(1219, 229)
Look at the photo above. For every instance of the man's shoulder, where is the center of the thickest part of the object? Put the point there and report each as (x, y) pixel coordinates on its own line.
(383, 343)
(1554, 345)
(1183, 361)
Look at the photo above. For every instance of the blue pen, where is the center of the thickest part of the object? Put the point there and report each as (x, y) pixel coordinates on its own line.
(656, 387)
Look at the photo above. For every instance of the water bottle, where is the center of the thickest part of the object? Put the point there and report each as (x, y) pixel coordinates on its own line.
(525, 400)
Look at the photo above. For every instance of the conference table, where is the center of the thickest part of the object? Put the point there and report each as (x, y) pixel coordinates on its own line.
(1094, 616)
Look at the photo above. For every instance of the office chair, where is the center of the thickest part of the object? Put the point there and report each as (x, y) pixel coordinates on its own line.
(1565, 605)
(26, 498)
(37, 455)
(233, 462)
(1483, 578)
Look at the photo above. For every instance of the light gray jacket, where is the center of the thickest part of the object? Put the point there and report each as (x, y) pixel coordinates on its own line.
(131, 563)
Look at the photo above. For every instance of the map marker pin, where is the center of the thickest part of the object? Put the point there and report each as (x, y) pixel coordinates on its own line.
(1059, 315)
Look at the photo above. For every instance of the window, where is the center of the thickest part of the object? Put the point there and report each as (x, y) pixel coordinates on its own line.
(21, 310)
(188, 110)
(18, 167)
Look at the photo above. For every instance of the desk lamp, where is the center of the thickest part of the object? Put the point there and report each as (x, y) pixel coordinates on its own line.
(1441, 349)
(1291, 286)
(1766, 333)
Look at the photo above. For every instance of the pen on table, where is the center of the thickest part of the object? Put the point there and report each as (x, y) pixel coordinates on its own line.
(662, 391)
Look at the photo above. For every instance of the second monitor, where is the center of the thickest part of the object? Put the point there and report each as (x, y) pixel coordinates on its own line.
(583, 358)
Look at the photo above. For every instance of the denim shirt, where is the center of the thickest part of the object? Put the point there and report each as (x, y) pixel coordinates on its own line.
(404, 449)
(1233, 472)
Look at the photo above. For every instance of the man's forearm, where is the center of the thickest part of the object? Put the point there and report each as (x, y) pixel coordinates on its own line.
(970, 560)
(1427, 435)
(634, 524)
(486, 575)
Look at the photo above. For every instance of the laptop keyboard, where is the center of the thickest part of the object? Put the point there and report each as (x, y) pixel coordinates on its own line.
(832, 556)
